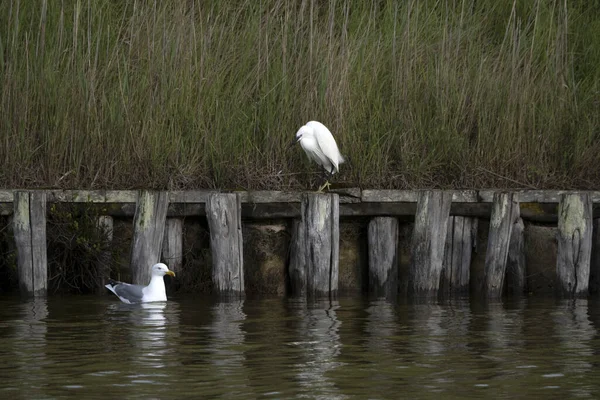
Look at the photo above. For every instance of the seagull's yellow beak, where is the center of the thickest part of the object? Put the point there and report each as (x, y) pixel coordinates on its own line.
(170, 273)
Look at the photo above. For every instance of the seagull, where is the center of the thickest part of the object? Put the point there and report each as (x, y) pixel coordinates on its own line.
(320, 146)
(155, 291)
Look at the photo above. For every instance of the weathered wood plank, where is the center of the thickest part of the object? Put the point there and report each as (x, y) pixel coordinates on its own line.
(536, 205)
(383, 257)
(106, 224)
(346, 195)
(92, 196)
(334, 276)
(270, 196)
(29, 226)
(320, 216)
(505, 211)
(223, 211)
(538, 196)
(428, 242)
(574, 244)
(595, 260)
(37, 210)
(7, 196)
(535, 212)
(460, 241)
(297, 264)
(190, 196)
(412, 196)
(149, 228)
(266, 196)
(172, 249)
(516, 276)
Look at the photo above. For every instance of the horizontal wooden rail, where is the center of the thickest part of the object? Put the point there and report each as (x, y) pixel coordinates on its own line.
(536, 205)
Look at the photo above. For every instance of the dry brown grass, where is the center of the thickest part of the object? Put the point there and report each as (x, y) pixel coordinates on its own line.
(191, 94)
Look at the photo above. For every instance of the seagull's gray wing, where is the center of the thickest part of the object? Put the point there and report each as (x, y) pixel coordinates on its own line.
(127, 293)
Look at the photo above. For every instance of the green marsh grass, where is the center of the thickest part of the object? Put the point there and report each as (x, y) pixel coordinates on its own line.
(208, 94)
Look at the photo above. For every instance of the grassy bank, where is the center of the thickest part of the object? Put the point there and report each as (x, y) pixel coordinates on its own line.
(188, 94)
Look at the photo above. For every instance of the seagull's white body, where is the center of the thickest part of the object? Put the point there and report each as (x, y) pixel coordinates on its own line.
(155, 291)
(320, 146)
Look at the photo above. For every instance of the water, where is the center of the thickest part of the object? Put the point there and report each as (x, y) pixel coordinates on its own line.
(71, 347)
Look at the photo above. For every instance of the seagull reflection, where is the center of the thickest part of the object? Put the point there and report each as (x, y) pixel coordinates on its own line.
(151, 332)
(150, 327)
(320, 325)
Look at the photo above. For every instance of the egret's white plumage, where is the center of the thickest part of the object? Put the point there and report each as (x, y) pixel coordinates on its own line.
(320, 146)
(155, 291)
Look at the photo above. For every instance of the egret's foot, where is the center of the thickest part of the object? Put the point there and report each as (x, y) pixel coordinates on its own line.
(325, 185)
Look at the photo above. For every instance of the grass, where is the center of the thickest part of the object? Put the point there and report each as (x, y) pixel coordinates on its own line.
(193, 94)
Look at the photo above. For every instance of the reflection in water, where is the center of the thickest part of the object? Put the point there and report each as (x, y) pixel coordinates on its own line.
(84, 346)
(575, 332)
(150, 328)
(320, 326)
(150, 337)
(381, 324)
(505, 326)
(226, 341)
(431, 333)
(30, 345)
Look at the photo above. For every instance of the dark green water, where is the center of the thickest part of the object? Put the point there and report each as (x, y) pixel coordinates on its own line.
(83, 347)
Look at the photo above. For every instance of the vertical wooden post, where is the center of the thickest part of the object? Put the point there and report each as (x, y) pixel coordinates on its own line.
(224, 214)
(149, 229)
(297, 265)
(595, 260)
(172, 250)
(460, 240)
(574, 244)
(515, 265)
(383, 256)
(428, 241)
(105, 222)
(320, 216)
(29, 225)
(505, 211)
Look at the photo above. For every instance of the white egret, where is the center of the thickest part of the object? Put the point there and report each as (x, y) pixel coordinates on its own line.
(155, 291)
(320, 146)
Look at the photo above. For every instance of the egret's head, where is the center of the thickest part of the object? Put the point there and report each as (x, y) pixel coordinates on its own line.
(161, 269)
(302, 133)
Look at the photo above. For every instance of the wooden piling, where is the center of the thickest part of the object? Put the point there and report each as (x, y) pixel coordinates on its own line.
(383, 256)
(516, 282)
(105, 223)
(595, 260)
(29, 226)
(320, 217)
(224, 214)
(172, 249)
(428, 241)
(460, 241)
(149, 227)
(297, 263)
(574, 244)
(505, 211)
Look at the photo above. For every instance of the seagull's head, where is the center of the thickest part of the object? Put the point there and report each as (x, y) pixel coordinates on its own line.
(161, 269)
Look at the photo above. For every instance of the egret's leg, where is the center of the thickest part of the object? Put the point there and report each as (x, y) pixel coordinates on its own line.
(325, 185)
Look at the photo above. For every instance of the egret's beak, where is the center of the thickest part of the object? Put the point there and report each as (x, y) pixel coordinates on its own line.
(170, 273)
(294, 141)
